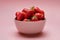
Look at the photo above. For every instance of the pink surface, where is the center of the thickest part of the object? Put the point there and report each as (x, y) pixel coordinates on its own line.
(8, 8)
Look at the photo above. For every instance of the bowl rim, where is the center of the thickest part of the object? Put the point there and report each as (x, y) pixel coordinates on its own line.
(30, 21)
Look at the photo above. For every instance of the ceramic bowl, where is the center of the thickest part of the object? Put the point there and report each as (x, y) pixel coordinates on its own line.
(30, 27)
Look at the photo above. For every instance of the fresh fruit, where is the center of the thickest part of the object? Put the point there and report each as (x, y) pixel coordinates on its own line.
(34, 18)
(17, 13)
(29, 13)
(19, 16)
(37, 10)
(39, 15)
(26, 20)
(24, 14)
(25, 10)
(32, 14)
(41, 11)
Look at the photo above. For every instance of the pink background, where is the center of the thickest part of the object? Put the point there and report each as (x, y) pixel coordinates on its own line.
(8, 8)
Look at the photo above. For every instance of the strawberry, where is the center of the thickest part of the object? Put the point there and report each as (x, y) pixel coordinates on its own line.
(17, 13)
(37, 10)
(40, 16)
(26, 20)
(25, 10)
(24, 14)
(34, 18)
(19, 16)
(41, 11)
(29, 13)
(34, 14)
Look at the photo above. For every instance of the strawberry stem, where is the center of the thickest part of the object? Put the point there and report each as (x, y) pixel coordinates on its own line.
(32, 8)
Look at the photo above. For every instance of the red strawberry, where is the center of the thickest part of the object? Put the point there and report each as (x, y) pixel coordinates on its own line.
(34, 18)
(40, 16)
(25, 10)
(37, 10)
(29, 13)
(17, 13)
(19, 16)
(26, 20)
(42, 12)
(24, 14)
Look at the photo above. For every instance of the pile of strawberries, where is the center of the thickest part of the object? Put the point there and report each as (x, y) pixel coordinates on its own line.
(32, 14)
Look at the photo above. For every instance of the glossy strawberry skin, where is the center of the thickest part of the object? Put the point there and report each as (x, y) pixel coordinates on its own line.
(33, 14)
(37, 10)
(17, 13)
(26, 20)
(40, 16)
(41, 11)
(24, 15)
(19, 16)
(25, 10)
(29, 13)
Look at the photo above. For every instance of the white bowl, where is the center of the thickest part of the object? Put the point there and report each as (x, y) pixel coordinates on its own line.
(30, 27)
